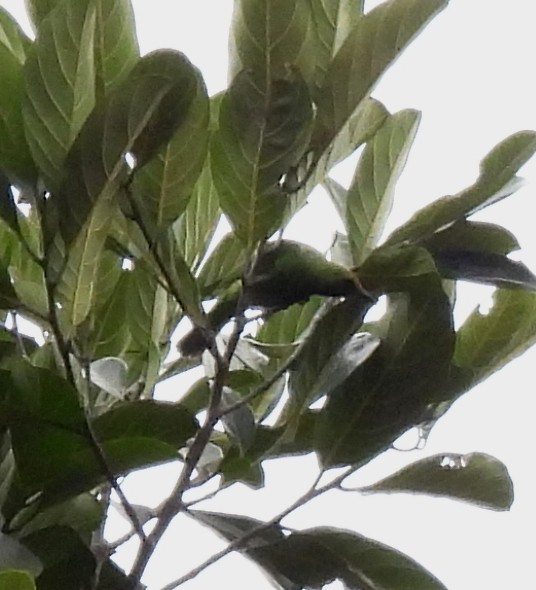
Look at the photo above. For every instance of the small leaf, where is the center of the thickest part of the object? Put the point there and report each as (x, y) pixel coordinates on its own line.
(483, 267)
(264, 126)
(497, 180)
(475, 478)
(60, 85)
(38, 10)
(109, 373)
(224, 266)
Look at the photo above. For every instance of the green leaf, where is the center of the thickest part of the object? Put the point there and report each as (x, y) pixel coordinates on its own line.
(369, 49)
(16, 580)
(38, 10)
(141, 115)
(333, 21)
(369, 199)
(12, 37)
(59, 78)
(196, 226)
(110, 374)
(240, 423)
(164, 185)
(390, 392)
(225, 265)
(264, 130)
(267, 36)
(472, 236)
(486, 342)
(68, 562)
(15, 155)
(475, 478)
(233, 526)
(323, 345)
(315, 557)
(483, 267)
(286, 326)
(116, 44)
(497, 180)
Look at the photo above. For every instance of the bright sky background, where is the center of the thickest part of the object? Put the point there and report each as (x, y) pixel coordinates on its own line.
(472, 75)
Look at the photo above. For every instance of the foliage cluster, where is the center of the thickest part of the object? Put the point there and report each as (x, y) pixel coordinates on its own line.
(115, 172)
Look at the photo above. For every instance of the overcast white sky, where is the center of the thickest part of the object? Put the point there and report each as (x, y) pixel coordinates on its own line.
(472, 74)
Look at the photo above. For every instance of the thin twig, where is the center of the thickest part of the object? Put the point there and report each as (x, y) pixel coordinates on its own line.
(241, 541)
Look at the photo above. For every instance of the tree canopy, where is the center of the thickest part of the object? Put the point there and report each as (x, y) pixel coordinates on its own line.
(116, 171)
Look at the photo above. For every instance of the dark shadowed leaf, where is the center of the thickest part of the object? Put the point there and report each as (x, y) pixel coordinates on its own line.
(389, 393)
(473, 236)
(315, 557)
(232, 526)
(15, 156)
(475, 478)
(264, 127)
(497, 180)
(141, 115)
(486, 342)
(319, 353)
(116, 44)
(483, 267)
(60, 85)
(370, 48)
(68, 562)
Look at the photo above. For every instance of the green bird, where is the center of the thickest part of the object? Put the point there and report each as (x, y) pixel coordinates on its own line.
(285, 272)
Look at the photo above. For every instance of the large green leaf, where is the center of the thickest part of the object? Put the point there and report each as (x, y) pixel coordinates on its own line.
(486, 342)
(60, 85)
(332, 21)
(497, 179)
(475, 478)
(369, 49)
(390, 392)
(315, 557)
(15, 155)
(369, 199)
(141, 115)
(264, 130)
(164, 185)
(195, 227)
(267, 36)
(116, 44)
